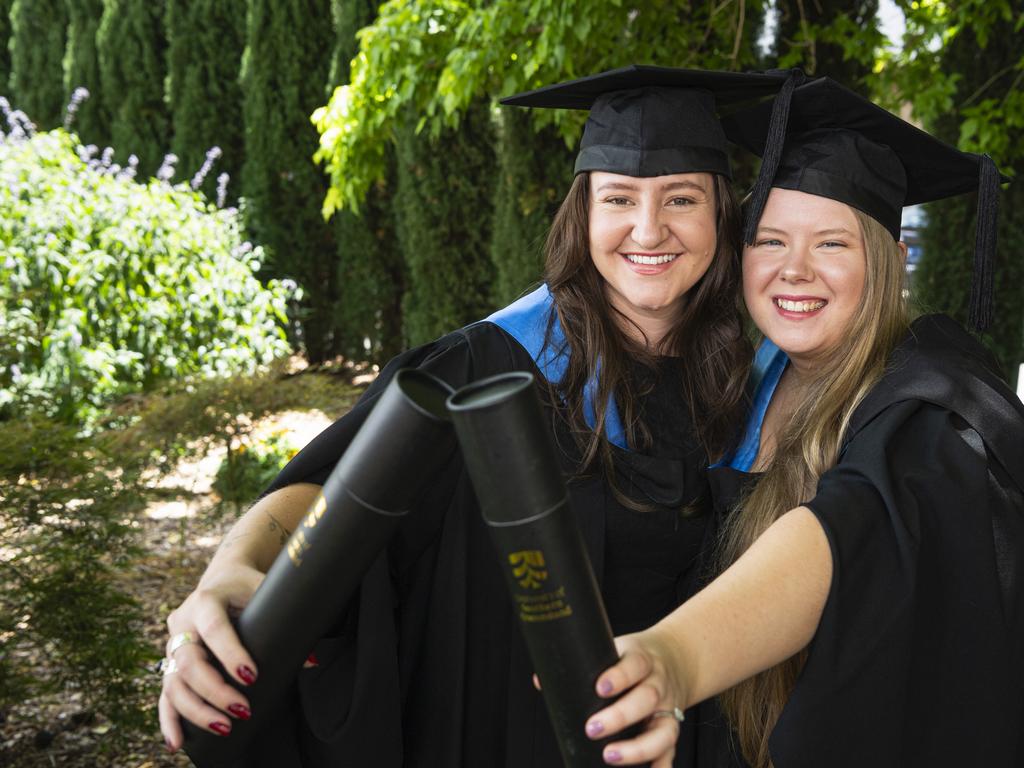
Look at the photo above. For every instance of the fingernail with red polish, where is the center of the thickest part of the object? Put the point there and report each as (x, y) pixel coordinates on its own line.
(240, 711)
(612, 756)
(222, 728)
(311, 661)
(247, 675)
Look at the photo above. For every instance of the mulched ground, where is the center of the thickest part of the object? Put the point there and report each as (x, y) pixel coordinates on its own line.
(179, 536)
(58, 730)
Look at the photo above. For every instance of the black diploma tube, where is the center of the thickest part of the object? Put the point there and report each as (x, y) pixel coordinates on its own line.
(508, 449)
(398, 450)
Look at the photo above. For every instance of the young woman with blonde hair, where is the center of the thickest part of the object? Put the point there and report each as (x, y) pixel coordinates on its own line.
(870, 603)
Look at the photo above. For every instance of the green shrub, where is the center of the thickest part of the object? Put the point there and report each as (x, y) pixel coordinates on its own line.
(248, 469)
(66, 532)
(110, 286)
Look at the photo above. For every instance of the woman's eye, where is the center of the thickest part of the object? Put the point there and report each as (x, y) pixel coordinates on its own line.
(833, 244)
(617, 200)
(770, 242)
(681, 202)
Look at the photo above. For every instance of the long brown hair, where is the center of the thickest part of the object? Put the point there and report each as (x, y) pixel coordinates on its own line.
(708, 335)
(808, 446)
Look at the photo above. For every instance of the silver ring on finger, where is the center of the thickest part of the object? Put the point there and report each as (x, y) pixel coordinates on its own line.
(675, 712)
(178, 640)
(167, 666)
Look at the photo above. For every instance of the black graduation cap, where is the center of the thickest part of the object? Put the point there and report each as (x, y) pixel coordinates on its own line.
(654, 121)
(841, 146)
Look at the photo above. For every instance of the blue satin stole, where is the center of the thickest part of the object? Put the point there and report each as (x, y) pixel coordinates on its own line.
(769, 363)
(526, 320)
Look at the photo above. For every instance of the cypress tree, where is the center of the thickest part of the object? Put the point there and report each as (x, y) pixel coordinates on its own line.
(943, 278)
(368, 315)
(5, 49)
(534, 173)
(82, 70)
(284, 71)
(132, 52)
(205, 40)
(38, 34)
(443, 209)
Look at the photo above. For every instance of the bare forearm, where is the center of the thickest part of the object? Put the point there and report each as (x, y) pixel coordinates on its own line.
(260, 534)
(762, 610)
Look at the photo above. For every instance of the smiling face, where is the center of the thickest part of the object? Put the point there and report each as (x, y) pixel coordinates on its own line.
(803, 279)
(651, 239)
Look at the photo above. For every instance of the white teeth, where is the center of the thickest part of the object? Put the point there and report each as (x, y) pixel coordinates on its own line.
(665, 258)
(799, 306)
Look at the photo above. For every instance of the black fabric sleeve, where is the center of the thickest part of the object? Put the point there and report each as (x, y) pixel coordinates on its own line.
(916, 659)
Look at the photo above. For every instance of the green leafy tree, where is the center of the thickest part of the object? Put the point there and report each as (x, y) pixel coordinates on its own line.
(961, 69)
(838, 38)
(436, 59)
(443, 214)
(284, 70)
(534, 173)
(368, 316)
(38, 34)
(82, 70)
(206, 39)
(132, 52)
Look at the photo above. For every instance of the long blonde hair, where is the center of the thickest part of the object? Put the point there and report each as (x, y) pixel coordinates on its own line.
(809, 445)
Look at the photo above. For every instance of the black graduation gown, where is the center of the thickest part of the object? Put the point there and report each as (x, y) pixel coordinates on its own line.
(428, 667)
(918, 659)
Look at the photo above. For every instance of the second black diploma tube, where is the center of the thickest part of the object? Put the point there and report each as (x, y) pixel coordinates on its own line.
(510, 455)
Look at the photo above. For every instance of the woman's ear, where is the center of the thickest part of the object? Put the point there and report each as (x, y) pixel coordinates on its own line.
(903, 250)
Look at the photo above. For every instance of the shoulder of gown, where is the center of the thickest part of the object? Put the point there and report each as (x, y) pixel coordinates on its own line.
(919, 655)
(479, 350)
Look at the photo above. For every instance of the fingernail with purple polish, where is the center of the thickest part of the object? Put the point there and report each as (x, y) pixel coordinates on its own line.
(604, 687)
(595, 728)
(613, 756)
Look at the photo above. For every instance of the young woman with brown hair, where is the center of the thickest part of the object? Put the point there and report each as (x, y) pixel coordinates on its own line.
(636, 342)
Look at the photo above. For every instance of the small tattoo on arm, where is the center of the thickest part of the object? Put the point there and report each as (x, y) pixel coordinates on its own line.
(275, 525)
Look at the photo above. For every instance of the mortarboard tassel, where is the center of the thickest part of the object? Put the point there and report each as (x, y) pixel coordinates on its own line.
(772, 154)
(981, 308)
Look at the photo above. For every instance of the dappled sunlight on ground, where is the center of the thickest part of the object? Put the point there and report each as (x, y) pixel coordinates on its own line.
(193, 477)
(178, 533)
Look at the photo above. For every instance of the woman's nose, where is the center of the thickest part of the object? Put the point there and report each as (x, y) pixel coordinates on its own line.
(649, 230)
(797, 266)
